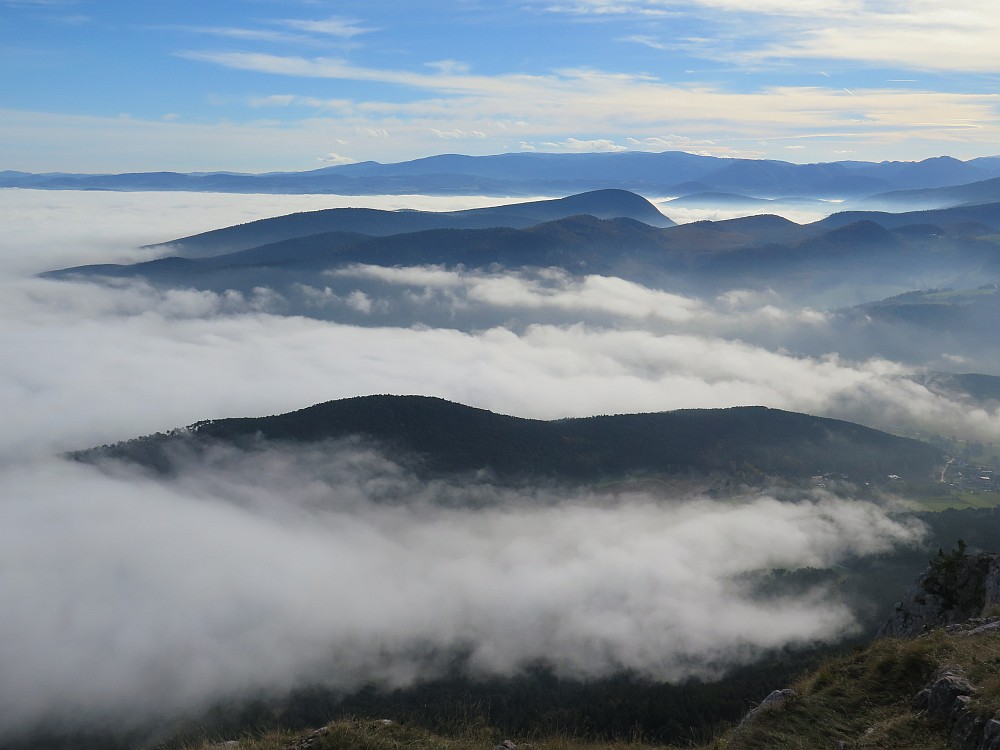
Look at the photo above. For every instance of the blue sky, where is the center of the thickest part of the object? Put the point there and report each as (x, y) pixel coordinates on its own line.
(261, 85)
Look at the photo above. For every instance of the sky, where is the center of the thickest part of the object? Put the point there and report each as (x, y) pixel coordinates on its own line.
(269, 85)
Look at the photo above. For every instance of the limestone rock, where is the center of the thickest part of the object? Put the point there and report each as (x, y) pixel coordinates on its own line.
(952, 590)
(948, 686)
(775, 699)
(967, 730)
(990, 739)
(949, 697)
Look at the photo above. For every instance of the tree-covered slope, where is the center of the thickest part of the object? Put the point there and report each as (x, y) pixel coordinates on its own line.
(746, 442)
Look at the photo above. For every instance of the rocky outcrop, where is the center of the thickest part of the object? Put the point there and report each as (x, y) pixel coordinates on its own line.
(949, 697)
(955, 588)
(775, 700)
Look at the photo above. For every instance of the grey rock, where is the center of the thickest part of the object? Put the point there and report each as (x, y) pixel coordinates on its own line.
(921, 700)
(960, 707)
(968, 729)
(946, 594)
(949, 684)
(991, 588)
(990, 627)
(310, 739)
(990, 739)
(948, 697)
(776, 699)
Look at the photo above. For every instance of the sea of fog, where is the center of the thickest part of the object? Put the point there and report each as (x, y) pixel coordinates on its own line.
(136, 595)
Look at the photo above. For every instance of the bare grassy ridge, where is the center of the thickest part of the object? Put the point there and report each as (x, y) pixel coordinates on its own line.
(863, 699)
(369, 734)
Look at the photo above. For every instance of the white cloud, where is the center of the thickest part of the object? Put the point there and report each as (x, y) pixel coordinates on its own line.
(333, 159)
(615, 103)
(646, 41)
(358, 300)
(449, 66)
(332, 26)
(253, 35)
(671, 142)
(576, 144)
(509, 110)
(303, 31)
(547, 289)
(457, 133)
(612, 8)
(139, 597)
(39, 3)
(961, 33)
(287, 100)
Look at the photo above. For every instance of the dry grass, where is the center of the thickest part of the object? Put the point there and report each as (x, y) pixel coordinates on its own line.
(367, 734)
(863, 699)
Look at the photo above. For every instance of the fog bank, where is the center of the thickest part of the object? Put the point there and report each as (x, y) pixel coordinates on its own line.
(141, 597)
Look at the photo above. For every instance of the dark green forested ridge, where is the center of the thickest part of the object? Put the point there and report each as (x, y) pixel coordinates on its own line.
(747, 442)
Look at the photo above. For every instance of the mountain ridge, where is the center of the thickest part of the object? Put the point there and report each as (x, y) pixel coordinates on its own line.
(605, 203)
(815, 263)
(667, 174)
(751, 442)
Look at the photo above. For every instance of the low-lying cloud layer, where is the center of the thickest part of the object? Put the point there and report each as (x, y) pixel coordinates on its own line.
(139, 597)
(87, 364)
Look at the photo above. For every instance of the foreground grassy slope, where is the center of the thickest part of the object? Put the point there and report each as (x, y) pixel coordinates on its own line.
(376, 734)
(861, 699)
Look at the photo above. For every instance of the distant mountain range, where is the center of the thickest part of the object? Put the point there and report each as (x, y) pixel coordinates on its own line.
(847, 258)
(984, 191)
(912, 286)
(671, 173)
(440, 437)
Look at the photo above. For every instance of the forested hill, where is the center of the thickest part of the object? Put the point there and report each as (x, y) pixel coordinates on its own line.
(748, 443)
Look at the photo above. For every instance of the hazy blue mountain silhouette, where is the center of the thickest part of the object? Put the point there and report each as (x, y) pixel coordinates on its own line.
(983, 191)
(987, 214)
(604, 204)
(670, 173)
(817, 264)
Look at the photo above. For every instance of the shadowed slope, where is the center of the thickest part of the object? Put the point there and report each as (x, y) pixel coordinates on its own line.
(450, 437)
(603, 204)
